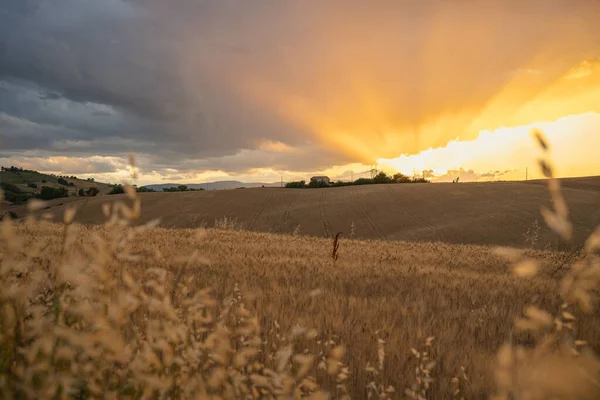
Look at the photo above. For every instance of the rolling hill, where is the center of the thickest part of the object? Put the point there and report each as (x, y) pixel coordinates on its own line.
(32, 181)
(471, 213)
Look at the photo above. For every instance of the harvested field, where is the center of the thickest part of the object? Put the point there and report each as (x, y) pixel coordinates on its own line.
(469, 213)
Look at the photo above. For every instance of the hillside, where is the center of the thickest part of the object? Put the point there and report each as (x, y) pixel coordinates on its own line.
(473, 213)
(32, 181)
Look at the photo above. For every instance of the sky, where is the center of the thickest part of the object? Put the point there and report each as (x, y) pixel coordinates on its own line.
(204, 90)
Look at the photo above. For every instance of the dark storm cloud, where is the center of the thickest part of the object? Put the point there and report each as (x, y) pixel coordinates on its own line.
(125, 57)
(186, 81)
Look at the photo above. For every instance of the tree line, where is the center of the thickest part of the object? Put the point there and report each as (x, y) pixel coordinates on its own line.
(380, 178)
(119, 189)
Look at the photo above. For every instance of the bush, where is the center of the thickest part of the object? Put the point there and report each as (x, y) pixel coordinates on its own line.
(17, 198)
(9, 187)
(180, 188)
(93, 192)
(363, 181)
(49, 193)
(401, 178)
(32, 185)
(318, 184)
(13, 194)
(382, 178)
(300, 184)
(144, 189)
(63, 181)
(420, 180)
(116, 189)
(81, 192)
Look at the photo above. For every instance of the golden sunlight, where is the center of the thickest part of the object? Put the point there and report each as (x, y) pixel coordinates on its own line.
(506, 153)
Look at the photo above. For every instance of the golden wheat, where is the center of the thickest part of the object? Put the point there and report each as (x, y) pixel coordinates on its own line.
(117, 311)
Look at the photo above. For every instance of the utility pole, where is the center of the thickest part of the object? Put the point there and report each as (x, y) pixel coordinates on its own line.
(351, 176)
(281, 180)
(526, 173)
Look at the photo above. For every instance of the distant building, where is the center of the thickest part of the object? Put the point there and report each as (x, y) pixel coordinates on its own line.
(324, 179)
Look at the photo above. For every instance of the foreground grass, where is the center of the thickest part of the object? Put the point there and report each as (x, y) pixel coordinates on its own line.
(400, 293)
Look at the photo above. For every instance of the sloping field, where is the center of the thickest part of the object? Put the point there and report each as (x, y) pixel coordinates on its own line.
(22, 178)
(475, 213)
(401, 293)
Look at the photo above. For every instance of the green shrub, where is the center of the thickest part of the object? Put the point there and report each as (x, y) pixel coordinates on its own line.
(318, 184)
(49, 193)
(382, 177)
(300, 184)
(13, 194)
(144, 189)
(9, 187)
(116, 189)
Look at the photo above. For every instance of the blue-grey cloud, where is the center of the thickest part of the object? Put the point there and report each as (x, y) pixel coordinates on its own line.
(168, 78)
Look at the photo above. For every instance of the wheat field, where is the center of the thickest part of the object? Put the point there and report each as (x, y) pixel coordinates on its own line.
(498, 213)
(117, 311)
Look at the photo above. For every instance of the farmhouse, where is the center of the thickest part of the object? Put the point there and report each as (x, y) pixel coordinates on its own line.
(324, 179)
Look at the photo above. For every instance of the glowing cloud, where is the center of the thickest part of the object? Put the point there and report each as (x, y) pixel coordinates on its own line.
(574, 140)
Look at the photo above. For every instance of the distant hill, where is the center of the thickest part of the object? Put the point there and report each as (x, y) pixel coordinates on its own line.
(26, 183)
(219, 185)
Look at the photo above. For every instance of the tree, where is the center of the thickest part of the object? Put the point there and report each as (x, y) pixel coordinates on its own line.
(296, 185)
(144, 189)
(81, 192)
(63, 181)
(400, 178)
(9, 187)
(116, 189)
(382, 178)
(182, 188)
(363, 181)
(49, 193)
(317, 183)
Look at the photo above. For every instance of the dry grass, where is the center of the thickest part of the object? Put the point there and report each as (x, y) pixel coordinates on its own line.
(116, 311)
